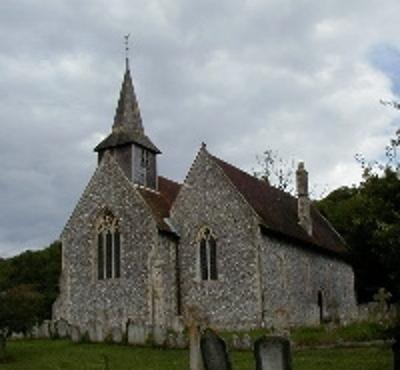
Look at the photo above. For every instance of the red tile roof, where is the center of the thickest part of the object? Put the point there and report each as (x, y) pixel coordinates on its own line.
(160, 201)
(278, 211)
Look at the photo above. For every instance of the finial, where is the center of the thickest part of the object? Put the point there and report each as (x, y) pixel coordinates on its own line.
(126, 37)
(203, 145)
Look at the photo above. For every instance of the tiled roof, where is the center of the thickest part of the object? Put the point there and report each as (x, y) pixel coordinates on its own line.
(160, 202)
(278, 211)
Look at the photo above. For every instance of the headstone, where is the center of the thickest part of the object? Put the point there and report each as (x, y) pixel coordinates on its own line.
(382, 298)
(62, 329)
(273, 353)
(44, 330)
(75, 334)
(171, 340)
(137, 334)
(181, 341)
(159, 335)
(236, 341)
(117, 335)
(214, 353)
(34, 334)
(95, 331)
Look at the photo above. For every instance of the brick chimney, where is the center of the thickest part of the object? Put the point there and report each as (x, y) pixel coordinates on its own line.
(303, 201)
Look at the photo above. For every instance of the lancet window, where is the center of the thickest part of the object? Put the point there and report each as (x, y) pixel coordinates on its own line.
(108, 247)
(208, 256)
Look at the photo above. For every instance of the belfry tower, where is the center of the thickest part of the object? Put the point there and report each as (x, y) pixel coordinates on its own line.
(131, 148)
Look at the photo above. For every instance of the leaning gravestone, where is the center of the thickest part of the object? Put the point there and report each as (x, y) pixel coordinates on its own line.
(273, 353)
(213, 351)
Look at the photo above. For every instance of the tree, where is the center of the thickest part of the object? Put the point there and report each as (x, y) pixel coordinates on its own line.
(368, 217)
(276, 171)
(20, 309)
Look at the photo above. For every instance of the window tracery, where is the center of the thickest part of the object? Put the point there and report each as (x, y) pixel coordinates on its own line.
(208, 256)
(108, 247)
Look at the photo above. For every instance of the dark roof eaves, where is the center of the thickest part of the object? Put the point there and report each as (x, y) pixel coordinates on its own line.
(297, 242)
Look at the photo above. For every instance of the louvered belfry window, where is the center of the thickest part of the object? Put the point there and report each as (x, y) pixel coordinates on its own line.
(108, 247)
(208, 256)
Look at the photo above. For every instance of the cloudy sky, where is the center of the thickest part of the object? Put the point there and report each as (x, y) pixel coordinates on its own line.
(301, 77)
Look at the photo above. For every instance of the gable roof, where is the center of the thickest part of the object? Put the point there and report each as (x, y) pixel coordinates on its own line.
(160, 201)
(278, 211)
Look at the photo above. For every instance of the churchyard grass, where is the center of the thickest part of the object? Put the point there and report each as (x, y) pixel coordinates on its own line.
(65, 355)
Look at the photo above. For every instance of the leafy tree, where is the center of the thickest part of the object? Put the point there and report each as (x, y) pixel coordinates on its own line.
(20, 309)
(368, 217)
(39, 269)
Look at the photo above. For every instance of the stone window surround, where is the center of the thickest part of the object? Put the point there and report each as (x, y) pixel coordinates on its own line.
(198, 277)
(106, 221)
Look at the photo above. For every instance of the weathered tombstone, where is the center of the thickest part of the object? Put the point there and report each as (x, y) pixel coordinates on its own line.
(273, 353)
(117, 335)
(75, 334)
(44, 330)
(382, 298)
(34, 333)
(137, 334)
(396, 354)
(213, 351)
(171, 340)
(196, 362)
(159, 335)
(181, 341)
(95, 331)
(236, 341)
(62, 329)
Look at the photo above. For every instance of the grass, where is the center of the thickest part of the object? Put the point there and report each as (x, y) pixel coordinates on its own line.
(322, 335)
(65, 355)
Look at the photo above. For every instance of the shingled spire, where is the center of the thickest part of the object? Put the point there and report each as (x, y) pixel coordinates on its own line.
(127, 116)
(132, 149)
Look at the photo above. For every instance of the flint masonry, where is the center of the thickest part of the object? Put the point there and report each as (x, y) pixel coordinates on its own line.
(143, 248)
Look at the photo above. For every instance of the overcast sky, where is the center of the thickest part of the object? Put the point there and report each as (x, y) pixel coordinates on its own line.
(301, 77)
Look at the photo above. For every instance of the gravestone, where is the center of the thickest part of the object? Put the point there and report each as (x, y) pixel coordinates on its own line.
(382, 298)
(75, 334)
(171, 340)
(273, 353)
(181, 341)
(196, 362)
(214, 353)
(62, 328)
(95, 331)
(137, 334)
(117, 335)
(34, 333)
(44, 330)
(159, 335)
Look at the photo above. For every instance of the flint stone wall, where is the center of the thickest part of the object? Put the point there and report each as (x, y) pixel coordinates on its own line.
(83, 297)
(291, 279)
(207, 199)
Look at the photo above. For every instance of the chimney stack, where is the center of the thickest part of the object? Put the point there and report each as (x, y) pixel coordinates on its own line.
(303, 201)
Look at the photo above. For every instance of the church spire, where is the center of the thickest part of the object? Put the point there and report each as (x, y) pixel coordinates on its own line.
(127, 116)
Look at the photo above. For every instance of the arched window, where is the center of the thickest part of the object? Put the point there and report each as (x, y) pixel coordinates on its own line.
(208, 256)
(108, 247)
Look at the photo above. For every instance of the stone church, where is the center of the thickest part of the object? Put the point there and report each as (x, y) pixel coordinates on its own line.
(141, 248)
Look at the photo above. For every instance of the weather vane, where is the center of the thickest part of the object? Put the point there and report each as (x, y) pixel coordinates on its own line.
(126, 37)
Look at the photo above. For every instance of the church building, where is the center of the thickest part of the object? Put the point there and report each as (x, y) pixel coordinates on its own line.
(243, 254)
